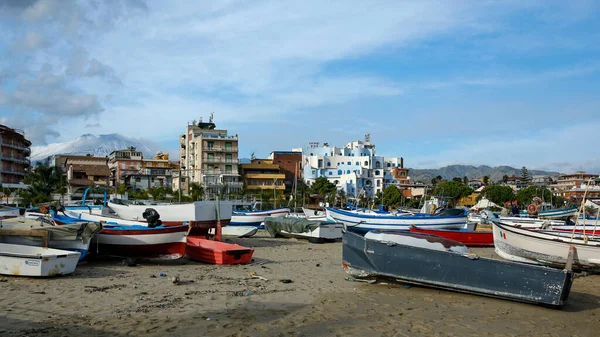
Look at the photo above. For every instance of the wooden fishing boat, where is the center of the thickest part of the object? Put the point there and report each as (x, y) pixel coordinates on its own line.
(301, 228)
(216, 252)
(449, 219)
(201, 213)
(256, 218)
(7, 212)
(368, 258)
(471, 238)
(141, 241)
(236, 231)
(72, 237)
(545, 247)
(36, 261)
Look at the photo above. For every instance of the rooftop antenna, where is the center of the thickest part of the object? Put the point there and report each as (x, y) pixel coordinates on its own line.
(252, 156)
(368, 138)
(212, 114)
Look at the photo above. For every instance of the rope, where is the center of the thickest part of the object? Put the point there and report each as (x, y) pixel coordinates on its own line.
(596, 223)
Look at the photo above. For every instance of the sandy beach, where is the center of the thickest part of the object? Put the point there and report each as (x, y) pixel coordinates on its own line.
(104, 297)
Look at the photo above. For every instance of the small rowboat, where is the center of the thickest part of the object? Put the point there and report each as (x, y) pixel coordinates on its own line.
(36, 261)
(469, 238)
(141, 242)
(216, 252)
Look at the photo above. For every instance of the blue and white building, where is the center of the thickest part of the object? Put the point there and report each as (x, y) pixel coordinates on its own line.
(354, 168)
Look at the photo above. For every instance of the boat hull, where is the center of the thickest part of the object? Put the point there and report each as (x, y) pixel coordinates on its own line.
(539, 285)
(141, 242)
(469, 238)
(215, 252)
(256, 218)
(236, 231)
(367, 222)
(544, 247)
(202, 213)
(36, 261)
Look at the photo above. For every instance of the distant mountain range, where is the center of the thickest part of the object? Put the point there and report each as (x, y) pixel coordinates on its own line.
(98, 146)
(471, 172)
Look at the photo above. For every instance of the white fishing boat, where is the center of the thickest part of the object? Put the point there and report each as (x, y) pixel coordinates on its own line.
(202, 213)
(8, 212)
(141, 241)
(315, 214)
(256, 218)
(36, 261)
(545, 247)
(426, 241)
(236, 231)
(362, 222)
(72, 237)
(304, 228)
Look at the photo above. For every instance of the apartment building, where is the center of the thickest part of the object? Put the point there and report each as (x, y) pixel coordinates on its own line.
(14, 155)
(83, 172)
(290, 164)
(208, 156)
(263, 175)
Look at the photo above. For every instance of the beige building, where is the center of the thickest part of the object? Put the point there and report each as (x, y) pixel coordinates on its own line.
(209, 156)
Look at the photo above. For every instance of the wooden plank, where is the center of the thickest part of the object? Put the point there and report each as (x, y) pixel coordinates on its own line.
(44, 234)
(570, 258)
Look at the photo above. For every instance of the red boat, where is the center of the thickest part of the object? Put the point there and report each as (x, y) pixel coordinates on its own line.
(469, 238)
(217, 252)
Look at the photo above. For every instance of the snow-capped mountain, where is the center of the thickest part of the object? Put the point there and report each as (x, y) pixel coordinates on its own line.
(98, 146)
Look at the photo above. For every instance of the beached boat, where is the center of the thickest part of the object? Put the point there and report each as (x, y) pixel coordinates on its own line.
(236, 231)
(69, 217)
(36, 261)
(559, 213)
(216, 252)
(447, 219)
(9, 212)
(315, 231)
(256, 218)
(201, 213)
(545, 247)
(72, 237)
(471, 238)
(141, 241)
(315, 214)
(369, 258)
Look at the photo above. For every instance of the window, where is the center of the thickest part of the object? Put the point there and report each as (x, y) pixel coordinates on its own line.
(388, 165)
(377, 172)
(357, 163)
(152, 179)
(353, 155)
(138, 179)
(330, 173)
(377, 164)
(228, 169)
(378, 183)
(348, 171)
(339, 172)
(366, 163)
(328, 164)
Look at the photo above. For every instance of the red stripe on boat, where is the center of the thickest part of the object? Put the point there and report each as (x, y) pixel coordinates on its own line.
(469, 238)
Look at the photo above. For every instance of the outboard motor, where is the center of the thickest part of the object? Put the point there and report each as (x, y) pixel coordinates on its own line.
(152, 217)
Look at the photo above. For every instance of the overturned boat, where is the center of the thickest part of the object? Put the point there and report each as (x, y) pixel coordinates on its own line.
(304, 229)
(437, 265)
(21, 260)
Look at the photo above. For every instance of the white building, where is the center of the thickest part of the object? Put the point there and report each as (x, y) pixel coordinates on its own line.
(354, 168)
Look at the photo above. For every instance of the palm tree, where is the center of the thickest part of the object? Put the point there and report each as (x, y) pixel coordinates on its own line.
(43, 181)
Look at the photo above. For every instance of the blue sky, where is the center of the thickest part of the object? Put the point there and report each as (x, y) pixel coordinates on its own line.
(437, 82)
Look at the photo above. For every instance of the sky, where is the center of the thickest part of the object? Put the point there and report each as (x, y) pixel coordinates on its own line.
(479, 82)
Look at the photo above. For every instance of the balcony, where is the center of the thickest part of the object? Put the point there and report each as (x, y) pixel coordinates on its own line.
(219, 161)
(16, 146)
(225, 183)
(220, 172)
(20, 160)
(11, 171)
(220, 149)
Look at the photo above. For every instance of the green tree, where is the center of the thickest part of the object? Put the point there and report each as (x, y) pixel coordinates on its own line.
(392, 197)
(196, 191)
(121, 189)
(525, 195)
(453, 190)
(504, 178)
(158, 192)
(43, 181)
(498, 194)
(378, 200)
(457, 179)
(322, 186)
(525, 176)
(486, 180)
(341, 198)
(465, 180)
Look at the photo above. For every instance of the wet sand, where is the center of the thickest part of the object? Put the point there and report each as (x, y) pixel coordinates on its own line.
(106, 298)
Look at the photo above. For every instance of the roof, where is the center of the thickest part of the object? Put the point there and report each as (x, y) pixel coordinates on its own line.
(287, 152)
(92, 170)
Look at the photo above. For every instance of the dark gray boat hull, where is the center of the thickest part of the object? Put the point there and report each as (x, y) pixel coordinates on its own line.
(363, 258)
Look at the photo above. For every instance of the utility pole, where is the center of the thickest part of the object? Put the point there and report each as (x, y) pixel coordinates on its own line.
(274, 193)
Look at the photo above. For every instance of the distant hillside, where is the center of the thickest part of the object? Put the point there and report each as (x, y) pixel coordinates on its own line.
(98, 146)
(471, 172)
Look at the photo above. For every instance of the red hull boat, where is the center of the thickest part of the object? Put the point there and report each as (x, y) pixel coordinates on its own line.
(216, 252)
(469, 238)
